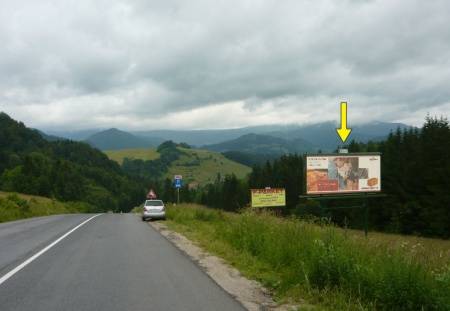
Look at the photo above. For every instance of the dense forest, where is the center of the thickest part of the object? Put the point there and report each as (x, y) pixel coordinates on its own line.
(63, 169)
(249, 159)
(415, 176)
(416, 170)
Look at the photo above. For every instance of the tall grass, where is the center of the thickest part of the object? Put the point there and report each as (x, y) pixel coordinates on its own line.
(313, 260)
(16, 206)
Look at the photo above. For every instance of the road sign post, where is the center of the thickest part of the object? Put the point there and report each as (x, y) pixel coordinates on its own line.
(178, 182)
(323, 201)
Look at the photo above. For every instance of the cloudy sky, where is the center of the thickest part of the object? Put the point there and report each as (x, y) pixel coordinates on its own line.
(140, 64)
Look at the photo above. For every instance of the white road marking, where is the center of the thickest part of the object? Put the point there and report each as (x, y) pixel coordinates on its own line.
(4, 278)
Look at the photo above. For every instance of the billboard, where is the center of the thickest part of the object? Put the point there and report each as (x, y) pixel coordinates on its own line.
(268, 197)
(343, 173)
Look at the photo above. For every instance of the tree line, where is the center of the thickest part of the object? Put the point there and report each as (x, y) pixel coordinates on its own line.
(415, 176)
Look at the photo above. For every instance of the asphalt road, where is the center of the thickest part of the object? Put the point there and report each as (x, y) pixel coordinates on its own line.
(112, 262)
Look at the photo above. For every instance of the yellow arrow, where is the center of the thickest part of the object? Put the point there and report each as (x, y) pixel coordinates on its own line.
(343, 131)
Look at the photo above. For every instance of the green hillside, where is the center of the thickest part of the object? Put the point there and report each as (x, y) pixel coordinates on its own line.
(15, 206)
(196, 165)
(137, 153)
(202, 166)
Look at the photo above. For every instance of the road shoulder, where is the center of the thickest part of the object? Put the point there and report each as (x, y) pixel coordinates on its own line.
(251, 294)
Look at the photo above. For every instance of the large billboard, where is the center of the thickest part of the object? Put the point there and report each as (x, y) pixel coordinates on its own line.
(268, 197)
(343, 173)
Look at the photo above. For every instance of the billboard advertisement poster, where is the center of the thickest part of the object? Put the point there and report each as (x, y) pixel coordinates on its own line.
(268, 197)
(343, 173)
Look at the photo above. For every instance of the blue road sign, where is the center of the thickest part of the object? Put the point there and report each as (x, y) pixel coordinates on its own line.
(178, 183)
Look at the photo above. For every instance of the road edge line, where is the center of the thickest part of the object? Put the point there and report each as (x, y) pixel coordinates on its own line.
(9, 274)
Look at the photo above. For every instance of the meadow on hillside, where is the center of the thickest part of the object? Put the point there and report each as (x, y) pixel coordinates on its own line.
(196, 165)
(202, 166)
(137, 153)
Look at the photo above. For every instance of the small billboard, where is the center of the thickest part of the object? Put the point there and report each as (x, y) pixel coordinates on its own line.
(268, 197)
(343, 173)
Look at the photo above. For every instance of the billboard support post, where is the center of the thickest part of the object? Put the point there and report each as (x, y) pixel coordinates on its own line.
(366, 216)
(323, 201)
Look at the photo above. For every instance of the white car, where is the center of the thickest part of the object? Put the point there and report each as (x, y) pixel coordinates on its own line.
(153, 209)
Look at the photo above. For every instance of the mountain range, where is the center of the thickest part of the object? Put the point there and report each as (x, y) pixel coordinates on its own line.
(268, 139)
(76, 135)
(262, 144)
(114, 139)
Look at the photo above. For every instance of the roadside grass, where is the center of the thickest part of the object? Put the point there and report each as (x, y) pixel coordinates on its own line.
(320, 264)
(137, 209)
(14, 206)
(137, 153)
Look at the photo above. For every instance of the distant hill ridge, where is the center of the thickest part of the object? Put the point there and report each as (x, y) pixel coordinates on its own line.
(310, 138)
(262, 144)
(115, 139)
(300, 137)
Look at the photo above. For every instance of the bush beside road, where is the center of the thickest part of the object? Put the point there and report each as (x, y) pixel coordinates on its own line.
(326, 266)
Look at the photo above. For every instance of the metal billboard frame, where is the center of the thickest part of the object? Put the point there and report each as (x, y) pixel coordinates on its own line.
(323, 198)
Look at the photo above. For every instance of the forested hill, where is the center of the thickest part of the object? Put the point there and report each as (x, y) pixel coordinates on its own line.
(66, 170)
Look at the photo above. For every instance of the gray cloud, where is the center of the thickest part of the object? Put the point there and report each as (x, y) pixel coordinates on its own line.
(121, 63)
